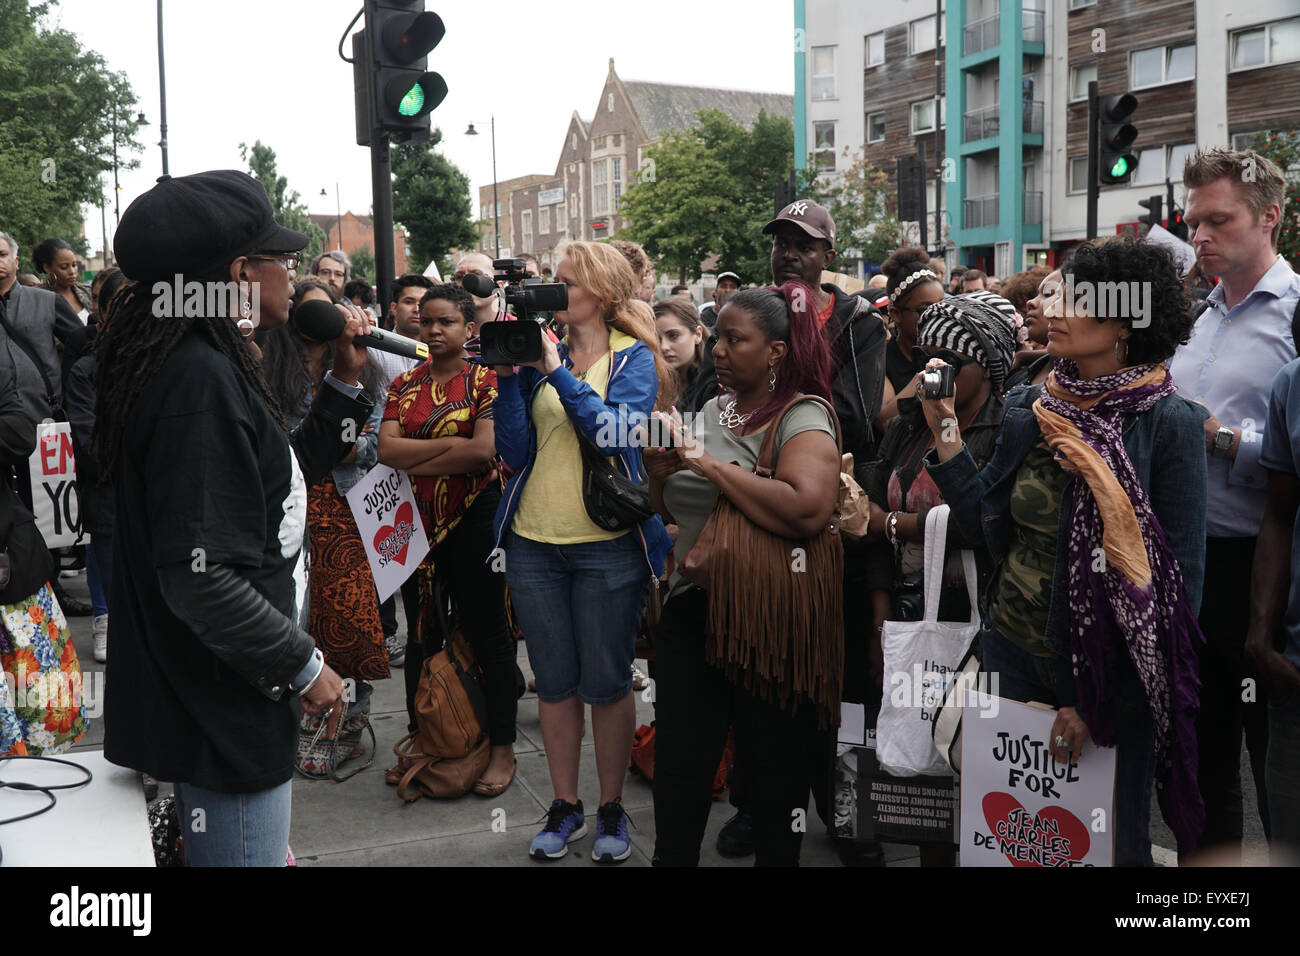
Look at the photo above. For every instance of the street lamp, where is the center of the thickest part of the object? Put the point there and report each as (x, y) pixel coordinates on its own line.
(496, 206)
(338, 215)
(117, 189)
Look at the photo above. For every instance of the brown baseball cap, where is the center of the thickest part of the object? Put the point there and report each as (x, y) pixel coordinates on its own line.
(813, 219)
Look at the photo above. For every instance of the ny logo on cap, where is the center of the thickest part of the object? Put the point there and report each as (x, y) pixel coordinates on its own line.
(797, 209)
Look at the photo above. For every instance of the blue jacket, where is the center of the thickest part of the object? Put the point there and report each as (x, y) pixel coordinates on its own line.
(630, 397)
(1174, 478)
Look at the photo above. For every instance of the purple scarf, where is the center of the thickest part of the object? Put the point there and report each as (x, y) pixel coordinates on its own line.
(1109, 612)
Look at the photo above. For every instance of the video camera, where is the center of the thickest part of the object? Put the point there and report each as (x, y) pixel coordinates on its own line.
(519, 342)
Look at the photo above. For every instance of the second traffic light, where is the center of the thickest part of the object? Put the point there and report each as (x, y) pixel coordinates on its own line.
(1115, 134)
(1155, 210)
(395, 91)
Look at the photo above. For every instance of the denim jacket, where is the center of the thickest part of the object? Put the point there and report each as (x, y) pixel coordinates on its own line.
(630, 397)
(1166, 445)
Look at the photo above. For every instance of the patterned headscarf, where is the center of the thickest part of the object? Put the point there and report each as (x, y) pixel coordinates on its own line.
(970, 326)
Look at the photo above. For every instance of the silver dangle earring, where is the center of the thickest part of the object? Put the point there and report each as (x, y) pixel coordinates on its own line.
(771, 378)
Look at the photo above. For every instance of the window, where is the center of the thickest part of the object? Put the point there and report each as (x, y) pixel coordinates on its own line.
(923, 116)
(1178, 157)
(1272, 43)
(876, 128)
(544, 220)
(824, 146)
(920, 35)
(875, 49)
(823, 73)
(573, 141)
(1241, 141)
(1079, 174)
(1150, 168)
(526, 224)
(573, 206)
(600, 187)
(617, 179)
(1080, 77)
(610, 102)
(1161, 64)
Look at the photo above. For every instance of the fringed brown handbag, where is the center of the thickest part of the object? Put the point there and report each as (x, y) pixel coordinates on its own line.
(776, 617)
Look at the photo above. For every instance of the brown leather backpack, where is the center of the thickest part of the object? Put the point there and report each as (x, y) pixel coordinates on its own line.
(449, 749)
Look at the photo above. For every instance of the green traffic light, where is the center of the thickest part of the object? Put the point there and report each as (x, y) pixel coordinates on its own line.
(1120, 168)
(412, 102)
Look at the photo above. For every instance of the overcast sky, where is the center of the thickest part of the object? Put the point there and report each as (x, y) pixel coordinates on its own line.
(242, 70)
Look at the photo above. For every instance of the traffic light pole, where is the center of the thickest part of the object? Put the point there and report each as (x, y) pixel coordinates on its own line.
(381, 183)
(1094, 187)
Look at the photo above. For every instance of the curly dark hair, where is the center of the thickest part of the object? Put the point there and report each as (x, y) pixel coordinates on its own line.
(902, 264)
(454, 293)
(1140, 270)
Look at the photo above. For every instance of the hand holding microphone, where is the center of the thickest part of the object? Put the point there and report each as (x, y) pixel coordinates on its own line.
(350, 349)
(350, 325)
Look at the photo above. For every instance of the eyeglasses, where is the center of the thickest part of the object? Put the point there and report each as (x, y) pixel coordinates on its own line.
(958, 362)
(289, 260)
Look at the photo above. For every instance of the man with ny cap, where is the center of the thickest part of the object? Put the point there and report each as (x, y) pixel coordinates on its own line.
(803, 247)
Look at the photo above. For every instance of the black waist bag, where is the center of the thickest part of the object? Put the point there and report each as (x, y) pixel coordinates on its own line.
(613, 502)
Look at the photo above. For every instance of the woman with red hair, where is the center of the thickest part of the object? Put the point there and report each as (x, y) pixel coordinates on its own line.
(769, 350)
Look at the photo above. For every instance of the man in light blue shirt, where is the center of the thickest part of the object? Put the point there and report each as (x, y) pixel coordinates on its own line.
(1234, 209)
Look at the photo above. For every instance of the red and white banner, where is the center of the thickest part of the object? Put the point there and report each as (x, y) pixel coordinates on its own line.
(383, 505)
(55, 499)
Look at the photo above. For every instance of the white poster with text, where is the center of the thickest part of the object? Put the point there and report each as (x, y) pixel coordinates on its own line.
(383, 505)
(1019, 806)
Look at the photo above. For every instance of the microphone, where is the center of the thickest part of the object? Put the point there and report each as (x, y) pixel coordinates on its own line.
(324, 322)
(478, 285)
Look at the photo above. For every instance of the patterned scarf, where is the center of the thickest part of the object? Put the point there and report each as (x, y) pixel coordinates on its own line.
(1136, 600)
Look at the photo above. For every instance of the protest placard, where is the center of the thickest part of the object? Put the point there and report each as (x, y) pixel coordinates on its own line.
(873, 804)
(383, 505)
(1019, 806)
(55, 499)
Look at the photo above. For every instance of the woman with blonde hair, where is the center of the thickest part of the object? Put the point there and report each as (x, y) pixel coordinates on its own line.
(577, 587)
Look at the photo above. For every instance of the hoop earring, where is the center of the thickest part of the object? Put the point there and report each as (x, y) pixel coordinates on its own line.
(771, 378)
(245, 327)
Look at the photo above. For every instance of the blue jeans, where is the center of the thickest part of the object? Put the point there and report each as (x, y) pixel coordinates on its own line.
(579, 606)
(1282, 773)
(99, 571)
(235, 829)
(1023, 677)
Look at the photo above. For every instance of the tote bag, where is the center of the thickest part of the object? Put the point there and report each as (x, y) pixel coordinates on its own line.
(921, 659)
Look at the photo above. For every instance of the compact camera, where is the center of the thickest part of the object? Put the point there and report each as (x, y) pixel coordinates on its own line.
(937, 382)
(520, 341)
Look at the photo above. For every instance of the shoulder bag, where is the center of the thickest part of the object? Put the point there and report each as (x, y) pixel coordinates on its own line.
(613, 501)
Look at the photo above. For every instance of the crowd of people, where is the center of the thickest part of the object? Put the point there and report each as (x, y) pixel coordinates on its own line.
(215, 453)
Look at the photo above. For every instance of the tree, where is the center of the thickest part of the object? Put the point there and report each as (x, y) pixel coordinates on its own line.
(708, 192)
(862, 203)
(286, 204)
(363, 264)
(431, 198)
(1284, 149)
(59, 108)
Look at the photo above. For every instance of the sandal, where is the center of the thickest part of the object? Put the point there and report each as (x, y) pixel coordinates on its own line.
(485, 789)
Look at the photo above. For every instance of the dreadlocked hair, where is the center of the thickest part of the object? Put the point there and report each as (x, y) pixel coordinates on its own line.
(132, 346)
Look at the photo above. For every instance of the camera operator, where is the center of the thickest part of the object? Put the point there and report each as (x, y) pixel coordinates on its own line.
(577, 589)
(487, 308)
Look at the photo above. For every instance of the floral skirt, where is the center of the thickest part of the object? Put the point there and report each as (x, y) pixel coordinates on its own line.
(344, 606)
(41, 693)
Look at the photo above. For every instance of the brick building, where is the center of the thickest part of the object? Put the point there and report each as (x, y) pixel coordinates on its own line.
(353, 231)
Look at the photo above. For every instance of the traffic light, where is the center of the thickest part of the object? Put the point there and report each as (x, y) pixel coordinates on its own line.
(1155, 210)
(1115, 134)
(1176, 225)
(395, 92)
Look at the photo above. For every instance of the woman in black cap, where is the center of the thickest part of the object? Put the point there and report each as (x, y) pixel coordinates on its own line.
(211, 500)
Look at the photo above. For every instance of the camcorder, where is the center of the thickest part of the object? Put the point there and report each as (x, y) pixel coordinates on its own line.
(520, 341)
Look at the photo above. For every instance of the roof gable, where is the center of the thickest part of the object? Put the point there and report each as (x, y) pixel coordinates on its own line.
(662, 106)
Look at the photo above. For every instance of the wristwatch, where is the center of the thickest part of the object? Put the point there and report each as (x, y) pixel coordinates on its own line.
(1223, 440)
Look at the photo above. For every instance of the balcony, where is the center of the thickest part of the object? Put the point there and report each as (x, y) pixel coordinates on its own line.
(980, 34)
(982, 123)
(979, 211)
(1032, 28)
(1033, 203)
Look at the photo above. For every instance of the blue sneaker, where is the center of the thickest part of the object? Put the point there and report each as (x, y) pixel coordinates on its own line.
(612, 845)
(565, 823)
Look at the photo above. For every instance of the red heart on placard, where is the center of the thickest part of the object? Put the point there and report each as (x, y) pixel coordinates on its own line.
(404, 515)
(1052, 837)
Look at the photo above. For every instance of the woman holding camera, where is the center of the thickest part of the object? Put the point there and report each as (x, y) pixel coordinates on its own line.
(1093, 508)
(577, 589)
(769, 350)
